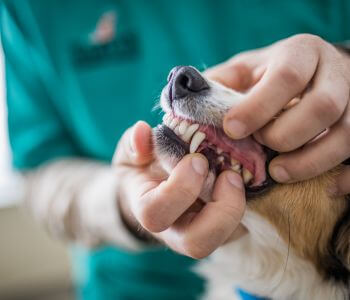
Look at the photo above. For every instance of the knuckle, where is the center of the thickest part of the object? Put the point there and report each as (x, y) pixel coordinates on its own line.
(289, 74)
(313, 168)
(194, 249)
(279, 141)
(329, 106)
(150, 218)
(186, 193)
(307, 38)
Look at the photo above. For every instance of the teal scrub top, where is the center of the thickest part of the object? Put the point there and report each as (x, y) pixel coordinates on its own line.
(78, 73)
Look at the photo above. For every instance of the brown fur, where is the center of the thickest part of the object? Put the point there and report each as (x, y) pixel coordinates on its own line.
(305, 216)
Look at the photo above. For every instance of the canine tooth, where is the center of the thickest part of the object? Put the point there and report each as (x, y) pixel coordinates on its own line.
(186, 137)
(197, 139)
(247, 176)
(219, 150)
(173, 123)
(183, 127)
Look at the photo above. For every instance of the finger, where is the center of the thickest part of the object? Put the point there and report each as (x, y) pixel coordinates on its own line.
(160, 207)
(314, 158)
(280, 83)
(215, 223)
(318, 109)
(342, 183)
(236, 76)
(135, 146)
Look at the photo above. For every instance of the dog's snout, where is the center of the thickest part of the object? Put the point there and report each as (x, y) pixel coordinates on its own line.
(184, 81)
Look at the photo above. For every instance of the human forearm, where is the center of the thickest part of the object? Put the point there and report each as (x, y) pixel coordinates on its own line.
(77, 200)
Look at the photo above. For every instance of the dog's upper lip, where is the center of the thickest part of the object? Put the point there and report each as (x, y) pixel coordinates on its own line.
(170, 92)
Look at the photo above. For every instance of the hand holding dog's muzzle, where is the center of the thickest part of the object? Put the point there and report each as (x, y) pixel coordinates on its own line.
(312, 135)
(167, 207)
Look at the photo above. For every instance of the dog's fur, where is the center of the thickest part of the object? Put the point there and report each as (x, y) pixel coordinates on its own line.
(298, 241)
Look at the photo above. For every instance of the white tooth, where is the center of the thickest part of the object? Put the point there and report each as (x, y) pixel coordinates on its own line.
(197, 139)
(176, 130)
(173, 123)
(247, 176)
(183, 127)
(186, 137)
(220, 158)
(219, 150)
(166, 119)
(234, 162)
(235, 166)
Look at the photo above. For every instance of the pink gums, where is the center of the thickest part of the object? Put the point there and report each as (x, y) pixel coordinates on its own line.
(247, 151)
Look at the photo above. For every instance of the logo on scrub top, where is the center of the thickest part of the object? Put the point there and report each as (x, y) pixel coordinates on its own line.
(105, 29)
(104, 44)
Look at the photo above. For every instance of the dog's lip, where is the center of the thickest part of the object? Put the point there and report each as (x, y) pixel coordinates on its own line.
(171, 135)
(250, 191)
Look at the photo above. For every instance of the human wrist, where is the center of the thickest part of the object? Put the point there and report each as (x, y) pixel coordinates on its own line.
(99, 219)
(126, 214)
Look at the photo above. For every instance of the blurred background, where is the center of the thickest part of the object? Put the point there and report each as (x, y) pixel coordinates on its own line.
(32, 265)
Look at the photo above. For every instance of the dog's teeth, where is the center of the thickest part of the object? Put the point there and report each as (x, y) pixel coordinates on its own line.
(183, 126)
(186, 137)
(173, 123)
(235, 166)
(219, 150)
(247, 176)
(197, 139)
(176, 130)
(220, 159)
(234, 162)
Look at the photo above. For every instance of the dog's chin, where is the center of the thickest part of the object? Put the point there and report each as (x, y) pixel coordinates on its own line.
(170, 149)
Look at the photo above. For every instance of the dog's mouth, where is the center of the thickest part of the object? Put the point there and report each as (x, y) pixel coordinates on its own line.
(245, 157)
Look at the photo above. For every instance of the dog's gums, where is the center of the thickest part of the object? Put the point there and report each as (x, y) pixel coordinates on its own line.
(245, 157)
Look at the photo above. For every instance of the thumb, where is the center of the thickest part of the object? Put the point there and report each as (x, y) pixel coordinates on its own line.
(135, 146)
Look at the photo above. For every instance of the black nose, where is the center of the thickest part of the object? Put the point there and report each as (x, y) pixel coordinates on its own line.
(184, 81)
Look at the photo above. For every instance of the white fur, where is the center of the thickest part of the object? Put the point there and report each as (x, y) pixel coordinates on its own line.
(261, 263)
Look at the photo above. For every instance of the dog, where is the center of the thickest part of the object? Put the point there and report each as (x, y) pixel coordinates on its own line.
(298, 240)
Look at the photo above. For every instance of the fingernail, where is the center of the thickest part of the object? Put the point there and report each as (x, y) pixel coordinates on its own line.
(236, 128)
(280, 174)
(234, 179)
(199, 165)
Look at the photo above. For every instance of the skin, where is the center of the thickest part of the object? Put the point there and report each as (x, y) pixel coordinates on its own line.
(167, 207)
(318, 74)
(307, 67)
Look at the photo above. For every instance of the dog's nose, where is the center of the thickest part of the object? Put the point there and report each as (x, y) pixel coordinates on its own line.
(184, 81)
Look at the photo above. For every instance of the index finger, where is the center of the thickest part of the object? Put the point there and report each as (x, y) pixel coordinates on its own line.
(216, 221)
(161, 205)
(280, 83)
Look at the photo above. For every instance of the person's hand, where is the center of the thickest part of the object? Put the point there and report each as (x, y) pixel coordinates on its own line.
(304, 67)
(167, 207)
